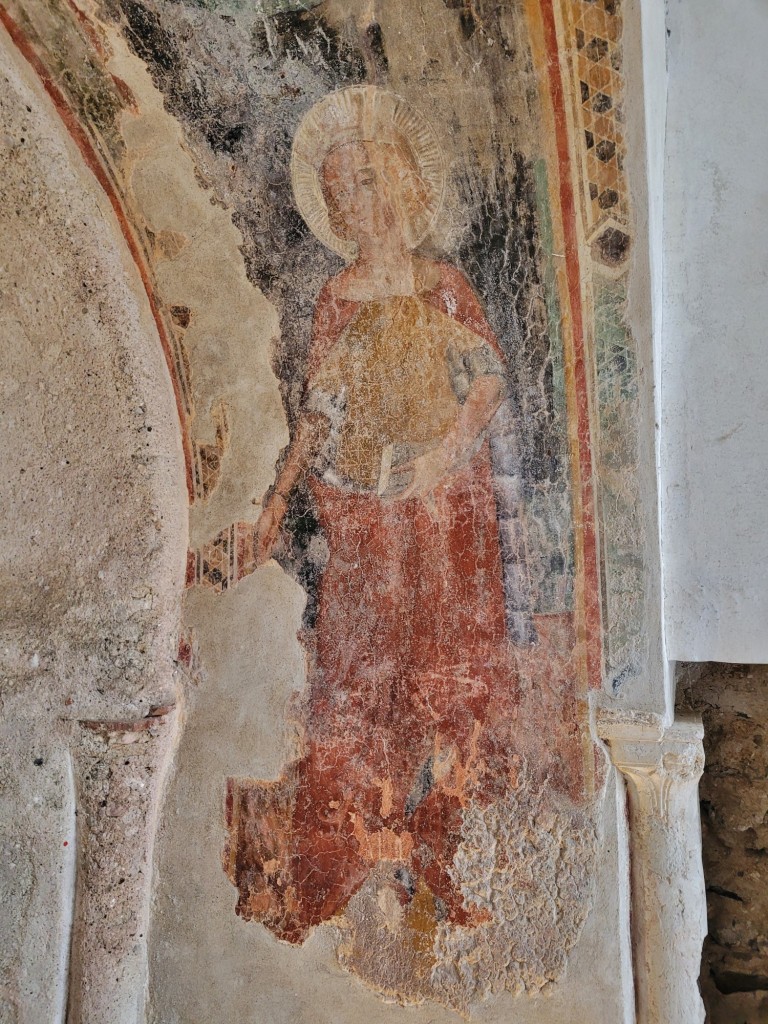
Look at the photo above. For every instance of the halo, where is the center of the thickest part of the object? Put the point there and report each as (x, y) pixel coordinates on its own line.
(361, 113)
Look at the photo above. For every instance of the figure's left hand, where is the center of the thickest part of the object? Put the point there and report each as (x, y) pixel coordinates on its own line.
(429, 471)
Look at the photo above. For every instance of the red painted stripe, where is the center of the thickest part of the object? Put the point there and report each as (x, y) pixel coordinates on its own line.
(573, 278)
(94, 164)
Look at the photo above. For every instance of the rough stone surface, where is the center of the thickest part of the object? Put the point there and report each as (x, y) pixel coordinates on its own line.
(119, 772)
(733, 701)
(93, 531)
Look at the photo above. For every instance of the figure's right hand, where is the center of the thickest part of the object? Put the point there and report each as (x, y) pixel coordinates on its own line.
(268, 528)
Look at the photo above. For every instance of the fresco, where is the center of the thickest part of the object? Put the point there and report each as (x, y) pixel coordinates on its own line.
(413, 690)
(426, 254)
(425, 503)
(436, 504)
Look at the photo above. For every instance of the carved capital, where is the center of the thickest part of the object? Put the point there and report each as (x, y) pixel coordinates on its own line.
(658, 761)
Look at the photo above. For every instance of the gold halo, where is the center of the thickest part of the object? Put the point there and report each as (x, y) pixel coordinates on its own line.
(361, 113)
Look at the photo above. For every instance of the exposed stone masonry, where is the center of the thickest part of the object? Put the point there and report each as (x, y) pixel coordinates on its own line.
(733, 701)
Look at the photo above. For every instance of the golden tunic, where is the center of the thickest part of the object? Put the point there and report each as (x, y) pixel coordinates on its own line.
(390, 370)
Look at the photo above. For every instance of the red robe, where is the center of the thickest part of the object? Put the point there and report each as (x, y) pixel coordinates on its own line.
(412, 693)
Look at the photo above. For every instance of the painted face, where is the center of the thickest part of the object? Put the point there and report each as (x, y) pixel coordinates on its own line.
(372, 190)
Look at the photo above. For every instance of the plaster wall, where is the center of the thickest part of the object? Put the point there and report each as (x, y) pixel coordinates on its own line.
(714, 398)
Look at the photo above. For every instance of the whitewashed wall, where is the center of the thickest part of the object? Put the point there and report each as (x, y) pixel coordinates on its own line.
(714, 357)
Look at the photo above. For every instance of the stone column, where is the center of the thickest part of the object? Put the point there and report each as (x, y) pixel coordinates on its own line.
(119, 770)
(662, 766)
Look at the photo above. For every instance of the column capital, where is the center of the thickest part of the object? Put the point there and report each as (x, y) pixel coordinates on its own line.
(654, 756)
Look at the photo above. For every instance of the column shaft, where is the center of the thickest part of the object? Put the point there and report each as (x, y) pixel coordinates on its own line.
(662, 767)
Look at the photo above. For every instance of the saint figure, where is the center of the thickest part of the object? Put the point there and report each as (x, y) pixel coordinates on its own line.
(412, 694)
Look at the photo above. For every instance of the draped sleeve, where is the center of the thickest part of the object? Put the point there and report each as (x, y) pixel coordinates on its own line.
(455, 296)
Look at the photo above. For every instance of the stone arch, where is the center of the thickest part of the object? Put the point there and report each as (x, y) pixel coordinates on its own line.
(95, 540)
